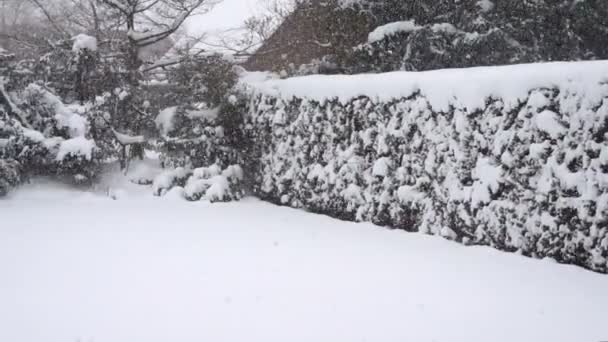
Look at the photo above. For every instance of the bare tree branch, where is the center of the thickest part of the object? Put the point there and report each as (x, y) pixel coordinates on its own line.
(114, 5)
(145, 39)
(51, 20)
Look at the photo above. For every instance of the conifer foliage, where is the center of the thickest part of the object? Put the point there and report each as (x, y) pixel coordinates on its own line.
(530, 177)
(39, 134)
(436, 34)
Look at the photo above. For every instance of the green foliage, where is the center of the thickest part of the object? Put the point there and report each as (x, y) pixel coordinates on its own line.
(205, 124)
(209, 78)
(490, 176)
(477, 33)
(40, 135)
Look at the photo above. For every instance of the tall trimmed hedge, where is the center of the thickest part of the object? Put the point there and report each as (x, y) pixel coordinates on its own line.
(532, 179)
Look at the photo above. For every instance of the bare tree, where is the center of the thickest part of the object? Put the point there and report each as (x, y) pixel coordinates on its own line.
(148, 22)
(145, 25)
(244, 40)
(127, 32)
(15, 17)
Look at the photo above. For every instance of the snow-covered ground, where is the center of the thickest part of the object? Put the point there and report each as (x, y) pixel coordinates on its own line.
(76, 266)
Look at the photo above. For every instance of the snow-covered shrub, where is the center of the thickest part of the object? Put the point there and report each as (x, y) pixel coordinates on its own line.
(203, 128)
(500, 162)
(70, 68)
(10, 175)
(120, 136)
(169, 179)
(43, 136)
(205, 183)
(207, 78)
(433, 47)
(437, 34)
(201, 180)
(192, 137)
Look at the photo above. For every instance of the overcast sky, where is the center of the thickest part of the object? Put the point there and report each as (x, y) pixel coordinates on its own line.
(226, 15)
(224, 20)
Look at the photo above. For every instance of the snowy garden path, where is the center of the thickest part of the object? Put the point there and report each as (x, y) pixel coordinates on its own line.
(77, 267)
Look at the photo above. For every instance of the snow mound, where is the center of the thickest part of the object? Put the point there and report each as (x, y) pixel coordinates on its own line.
(76, 147)
(214, 184)
(213, 189)
(547, 121)
(164, 120)
(168, 179)
(234, 172)
(143, 172)
(84, 42)
(33, 135)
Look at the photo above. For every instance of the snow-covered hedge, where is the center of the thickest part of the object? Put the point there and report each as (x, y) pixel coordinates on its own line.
(512, 157)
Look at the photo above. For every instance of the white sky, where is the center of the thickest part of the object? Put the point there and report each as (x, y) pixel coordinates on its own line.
(224, 20)
(228, 14)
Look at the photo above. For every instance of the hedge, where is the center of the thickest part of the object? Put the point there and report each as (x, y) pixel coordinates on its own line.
(526, 174)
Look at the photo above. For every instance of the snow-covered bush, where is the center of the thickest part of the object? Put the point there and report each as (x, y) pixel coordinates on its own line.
(201, 129)
(69, 68)
(205, 78)
(192, 137)
(10, 175)
(431, 47)
(169, 179)
(512, 157)
(120, 136)
(214, 185)
(41, 136)
(437, 34)
(205, 183)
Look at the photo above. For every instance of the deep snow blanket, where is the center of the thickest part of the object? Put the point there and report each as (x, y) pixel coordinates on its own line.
(82, 267)
(512, 157)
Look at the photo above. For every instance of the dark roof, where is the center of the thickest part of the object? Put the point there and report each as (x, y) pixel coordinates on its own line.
(315, 29)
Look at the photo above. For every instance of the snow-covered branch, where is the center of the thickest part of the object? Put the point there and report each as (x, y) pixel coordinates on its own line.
(49, 17)
(115, 5)
(320, 44)
(142, 39)
(11, 106)
(146, 6)
(125, 139)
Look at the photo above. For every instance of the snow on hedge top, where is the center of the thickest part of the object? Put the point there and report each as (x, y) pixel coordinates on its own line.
(83, 41)
(462, 88)
(390, 29)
